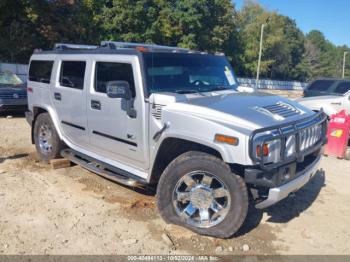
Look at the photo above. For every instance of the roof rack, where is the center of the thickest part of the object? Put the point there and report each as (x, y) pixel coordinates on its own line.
(124, 45)
(117, 45)
(63, 46)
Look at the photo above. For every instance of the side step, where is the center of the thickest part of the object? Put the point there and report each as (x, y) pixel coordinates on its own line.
(104, 170)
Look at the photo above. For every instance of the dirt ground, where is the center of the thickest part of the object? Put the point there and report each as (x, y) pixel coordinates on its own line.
(73, 211)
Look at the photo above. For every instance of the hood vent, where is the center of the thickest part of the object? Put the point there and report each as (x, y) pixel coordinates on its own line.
(157, 111)
(279, 111)
(284, 110)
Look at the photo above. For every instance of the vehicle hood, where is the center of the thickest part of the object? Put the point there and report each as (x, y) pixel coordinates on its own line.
(246, 110)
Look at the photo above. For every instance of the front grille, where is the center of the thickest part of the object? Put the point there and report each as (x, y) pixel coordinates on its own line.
(310, 136)
(13, 96)
(292, 141)
(283, 109)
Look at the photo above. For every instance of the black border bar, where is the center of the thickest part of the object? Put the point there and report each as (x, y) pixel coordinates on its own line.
(114, 138)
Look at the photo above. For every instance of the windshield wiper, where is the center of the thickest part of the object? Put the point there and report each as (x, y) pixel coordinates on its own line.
(218, 88)
(188, 91)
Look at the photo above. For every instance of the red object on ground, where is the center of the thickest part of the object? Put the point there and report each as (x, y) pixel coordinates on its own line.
(338, 134)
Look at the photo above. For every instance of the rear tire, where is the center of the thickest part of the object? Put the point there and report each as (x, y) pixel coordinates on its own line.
(187, 195)
(47, 142)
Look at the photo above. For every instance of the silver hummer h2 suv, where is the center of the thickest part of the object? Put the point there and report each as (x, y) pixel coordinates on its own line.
(172, 118)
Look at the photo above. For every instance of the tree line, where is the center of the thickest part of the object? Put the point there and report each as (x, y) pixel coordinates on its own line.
(207, 25)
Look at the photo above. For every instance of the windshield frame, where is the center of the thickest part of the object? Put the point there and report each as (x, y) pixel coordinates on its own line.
(148, 91)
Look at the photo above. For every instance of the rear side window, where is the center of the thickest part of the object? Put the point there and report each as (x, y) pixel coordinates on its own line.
(342, 88)
(72, 74)
(110, 71)
(40, 71)
(321, 85)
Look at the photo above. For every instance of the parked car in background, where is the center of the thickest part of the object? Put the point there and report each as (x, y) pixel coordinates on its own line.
(330, 95)
(13, 93)
(330, 104)
(324, 87)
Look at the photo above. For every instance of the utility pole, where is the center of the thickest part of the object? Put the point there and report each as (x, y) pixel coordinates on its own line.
(260, 52)
(343, 75)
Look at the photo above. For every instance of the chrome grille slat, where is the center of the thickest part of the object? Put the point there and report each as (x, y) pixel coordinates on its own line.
(310, 136)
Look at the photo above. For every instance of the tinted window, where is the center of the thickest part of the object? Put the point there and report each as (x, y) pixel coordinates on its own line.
(72, 74)
(187, 73)
(109, 71)
(321, 85)
(40, 71)
(342, 88)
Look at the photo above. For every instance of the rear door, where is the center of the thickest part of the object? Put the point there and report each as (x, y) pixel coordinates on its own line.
(69, 98)
(114, 134)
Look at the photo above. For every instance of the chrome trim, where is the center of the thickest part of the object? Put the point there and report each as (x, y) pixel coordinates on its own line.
(277, 133)
(201, 199)
(278, 193)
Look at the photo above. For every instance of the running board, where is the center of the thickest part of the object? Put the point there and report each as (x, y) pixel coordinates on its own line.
(104, 170)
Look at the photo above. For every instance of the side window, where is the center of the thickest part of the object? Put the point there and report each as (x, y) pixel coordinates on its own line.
(342, 88)
(72, 74)
(40, 71)
(111, 71)
(321, 85)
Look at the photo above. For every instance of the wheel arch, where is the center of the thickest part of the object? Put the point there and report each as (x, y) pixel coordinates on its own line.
(37, 110)
(171, 148)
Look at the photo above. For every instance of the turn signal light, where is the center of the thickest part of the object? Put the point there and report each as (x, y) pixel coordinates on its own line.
(265, 150)
(226, 139)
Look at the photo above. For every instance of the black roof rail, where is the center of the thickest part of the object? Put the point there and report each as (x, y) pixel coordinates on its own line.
(63, 46)
(117, 45)
(113, 45)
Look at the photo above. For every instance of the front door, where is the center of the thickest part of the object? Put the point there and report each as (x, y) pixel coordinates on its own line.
(69, 99)
(114, 134)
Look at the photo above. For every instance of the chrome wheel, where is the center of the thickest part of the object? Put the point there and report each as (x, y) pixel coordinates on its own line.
(201, 199)
(45, 139)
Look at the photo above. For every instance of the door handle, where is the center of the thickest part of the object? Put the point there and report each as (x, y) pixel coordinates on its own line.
(95, 105)
(57, 96)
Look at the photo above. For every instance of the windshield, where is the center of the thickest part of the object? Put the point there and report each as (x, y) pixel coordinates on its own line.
(8, 78)
(187, 73)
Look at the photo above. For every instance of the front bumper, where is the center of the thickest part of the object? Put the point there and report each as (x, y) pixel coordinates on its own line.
(13, 104)
(276, 194)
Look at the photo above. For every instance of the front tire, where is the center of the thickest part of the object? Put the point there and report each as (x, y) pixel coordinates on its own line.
(200, 192)
(47, 142)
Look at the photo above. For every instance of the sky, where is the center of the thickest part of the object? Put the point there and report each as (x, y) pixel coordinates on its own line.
(332, 17)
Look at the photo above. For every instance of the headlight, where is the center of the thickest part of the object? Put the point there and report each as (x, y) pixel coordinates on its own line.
(270, 150)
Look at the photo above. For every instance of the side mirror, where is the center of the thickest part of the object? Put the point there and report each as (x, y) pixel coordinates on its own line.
(118, 89)
(121, 89)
